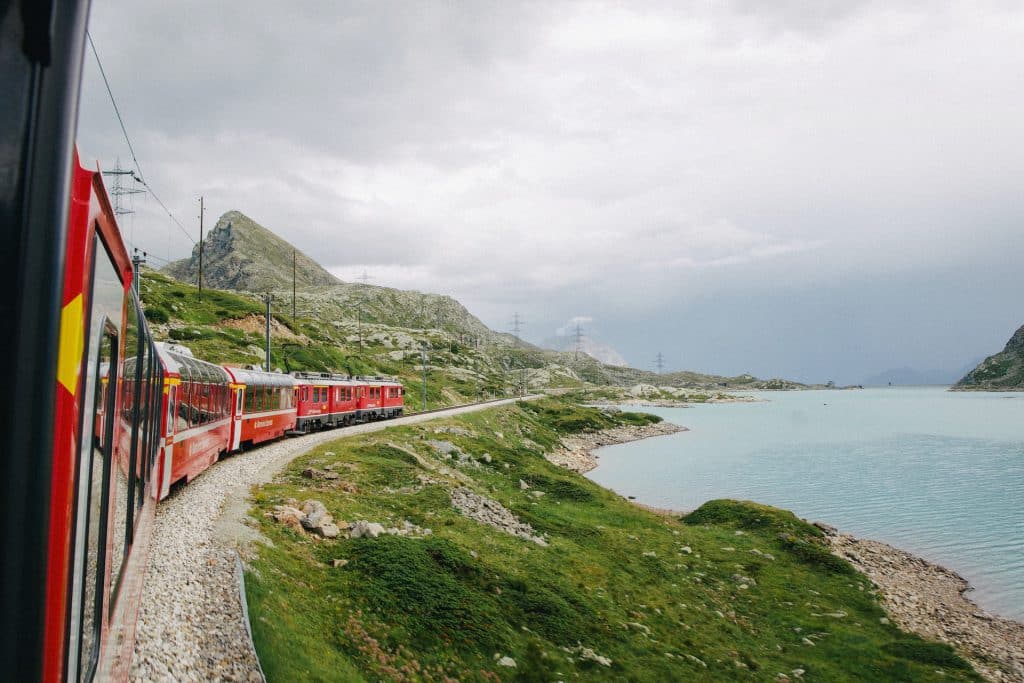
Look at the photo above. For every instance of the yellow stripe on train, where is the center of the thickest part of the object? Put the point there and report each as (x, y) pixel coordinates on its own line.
(72, 343)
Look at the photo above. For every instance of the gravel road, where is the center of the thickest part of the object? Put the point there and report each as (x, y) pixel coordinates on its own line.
(191, 626)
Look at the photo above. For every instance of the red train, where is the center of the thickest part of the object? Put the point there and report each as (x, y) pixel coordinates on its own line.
(135, 418)
(100, 421)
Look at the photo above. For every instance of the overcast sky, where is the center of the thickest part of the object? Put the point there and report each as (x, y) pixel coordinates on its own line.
(809, 190)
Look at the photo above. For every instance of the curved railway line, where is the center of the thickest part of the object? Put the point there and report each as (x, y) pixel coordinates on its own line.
(192, 626)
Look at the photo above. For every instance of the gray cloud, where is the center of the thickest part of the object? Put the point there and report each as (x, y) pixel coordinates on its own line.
(633, 162)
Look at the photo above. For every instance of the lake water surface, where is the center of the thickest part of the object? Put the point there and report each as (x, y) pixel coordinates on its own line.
(938, 473)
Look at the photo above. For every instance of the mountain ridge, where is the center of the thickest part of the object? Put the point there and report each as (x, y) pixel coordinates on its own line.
(1003, 371)
(245, 257)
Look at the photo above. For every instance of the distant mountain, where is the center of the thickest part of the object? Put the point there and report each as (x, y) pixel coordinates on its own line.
(593, 348)
(1002, 372)
(240, 254)
(910, 377)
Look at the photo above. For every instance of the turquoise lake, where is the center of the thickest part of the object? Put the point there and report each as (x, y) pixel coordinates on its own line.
(938, 473)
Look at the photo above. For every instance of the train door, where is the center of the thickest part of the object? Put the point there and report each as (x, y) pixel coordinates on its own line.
(167, 457)
(236, 420)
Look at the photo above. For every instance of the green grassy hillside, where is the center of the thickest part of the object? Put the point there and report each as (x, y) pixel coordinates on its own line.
(733, 591)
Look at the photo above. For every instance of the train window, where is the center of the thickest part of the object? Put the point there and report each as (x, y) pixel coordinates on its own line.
(182, 421)
(95, 471)
(118, 478)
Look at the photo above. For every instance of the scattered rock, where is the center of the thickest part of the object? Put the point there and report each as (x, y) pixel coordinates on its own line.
(585, 653)
(314, 514)
(492, 513)
(364, 529)
(827, 529)
(289, 516)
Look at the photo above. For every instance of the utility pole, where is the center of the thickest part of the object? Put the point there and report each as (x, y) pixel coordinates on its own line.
(202, 210)
(267, 299)
(423, 358)
(517, 324)
(293, 286)
(578, 335)
(136, 262)
(362, 300)
(659, 362)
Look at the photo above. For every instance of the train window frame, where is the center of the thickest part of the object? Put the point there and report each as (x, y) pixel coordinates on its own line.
(108, 334)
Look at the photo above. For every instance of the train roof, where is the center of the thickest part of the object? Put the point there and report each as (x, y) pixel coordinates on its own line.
(330, 378)
(178, 359)
(261, 378)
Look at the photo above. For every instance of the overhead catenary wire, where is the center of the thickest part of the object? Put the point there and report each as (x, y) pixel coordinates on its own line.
(124, 131)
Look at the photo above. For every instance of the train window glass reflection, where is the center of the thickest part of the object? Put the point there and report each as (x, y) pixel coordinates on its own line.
(100, 429)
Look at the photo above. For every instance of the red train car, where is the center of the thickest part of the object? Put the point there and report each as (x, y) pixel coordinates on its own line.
(106, 433)
(263, 407)
(379, 399)
(198, 409)
(324, 400)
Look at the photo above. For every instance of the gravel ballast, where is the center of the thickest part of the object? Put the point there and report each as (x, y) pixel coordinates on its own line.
(191, 625)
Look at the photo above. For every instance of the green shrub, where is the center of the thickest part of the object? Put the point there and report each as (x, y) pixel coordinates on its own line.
(155, 314)
(744, 514)
(926, 652)
(432, 586)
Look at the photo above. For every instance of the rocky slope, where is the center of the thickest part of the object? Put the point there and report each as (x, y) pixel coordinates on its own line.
(1002, 372)
(240, 254)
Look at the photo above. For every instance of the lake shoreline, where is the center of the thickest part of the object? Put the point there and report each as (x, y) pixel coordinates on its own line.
(921, 597)
(928, 599)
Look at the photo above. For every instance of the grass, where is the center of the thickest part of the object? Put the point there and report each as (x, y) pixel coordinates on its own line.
(664, 598)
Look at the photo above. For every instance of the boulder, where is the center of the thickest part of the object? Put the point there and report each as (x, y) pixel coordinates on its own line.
(314, 514)
(362, 529)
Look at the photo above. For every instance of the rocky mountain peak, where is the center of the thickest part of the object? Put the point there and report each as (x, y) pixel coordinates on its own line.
(240, 254)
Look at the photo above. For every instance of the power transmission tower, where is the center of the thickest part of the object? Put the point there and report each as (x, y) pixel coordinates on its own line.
(202, 210)
(517, 324)
(578, 337)
(659, 362)
(118, 190)
(361, 302)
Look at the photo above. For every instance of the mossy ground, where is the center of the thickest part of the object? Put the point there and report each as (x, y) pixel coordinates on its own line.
(664, 598)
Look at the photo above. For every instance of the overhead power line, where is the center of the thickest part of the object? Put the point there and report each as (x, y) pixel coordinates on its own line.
(124, 131)
(114, 102)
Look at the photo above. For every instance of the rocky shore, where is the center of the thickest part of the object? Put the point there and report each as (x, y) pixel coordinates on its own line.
(929, 600)
(576, 453)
